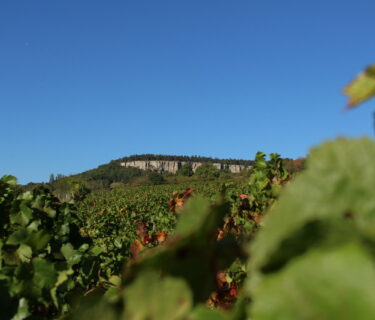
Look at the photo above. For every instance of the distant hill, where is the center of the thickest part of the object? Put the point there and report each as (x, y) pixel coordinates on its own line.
(115, 171)
(160, 157)
(156, 169)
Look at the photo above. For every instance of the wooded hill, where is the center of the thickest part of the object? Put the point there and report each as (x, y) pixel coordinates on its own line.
(160, 157)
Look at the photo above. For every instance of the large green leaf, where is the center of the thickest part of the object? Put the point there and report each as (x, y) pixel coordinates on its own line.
(324, 285)
(34, 280)
(295, 271)
(45, 274)
(37, 240)
(152, 297)
(333, 200)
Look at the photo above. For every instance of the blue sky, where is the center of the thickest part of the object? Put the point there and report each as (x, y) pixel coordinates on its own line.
(85, 82)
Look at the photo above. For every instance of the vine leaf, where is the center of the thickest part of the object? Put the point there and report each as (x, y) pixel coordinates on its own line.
(23, 310)
(296, 292)
(163, 298)
(361, 88)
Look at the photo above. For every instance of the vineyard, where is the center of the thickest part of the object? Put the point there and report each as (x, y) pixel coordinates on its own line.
(231, 250)
(273, 246)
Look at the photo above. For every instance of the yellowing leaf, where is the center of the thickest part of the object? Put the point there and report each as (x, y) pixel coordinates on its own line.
(361, 88)
(179, 202)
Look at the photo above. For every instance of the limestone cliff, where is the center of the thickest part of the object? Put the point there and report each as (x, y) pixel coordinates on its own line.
(173, 166)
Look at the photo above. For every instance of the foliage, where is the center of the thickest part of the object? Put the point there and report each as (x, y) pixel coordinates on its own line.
(173, 279)
(312, 259)
(315, 257)
(70, 188)
(99, 178)
(169, 298)
(362, 88)
(156, 178)
(294, 166)
(119, 226)
(205, 251)
(201, 242)
(108, 215)
(43, 257)
(265, 182)
(112, 173)
(186, 170)
(116, 185)
(207, 170)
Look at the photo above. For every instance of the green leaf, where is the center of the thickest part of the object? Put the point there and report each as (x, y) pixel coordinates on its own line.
(37, 240)
(260, 160)
(115, 280)
(84, 247)
(95, 307)
(325, 285)
(118, 242)
(24, 252)
(335, 194)
(18, 237)
(50, 211)
(113, 295)
(22, 217)
(361, 88)
(34, 225)
(152, 297)
(62, 277)
(96, 250)
(45, 274)
(193, 216)
(23, 310)
(203, 313)
(8, 179)
(71, 255)
(312, 259)
(67, 250)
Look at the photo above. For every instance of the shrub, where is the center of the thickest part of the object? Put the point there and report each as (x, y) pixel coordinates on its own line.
(207, 170)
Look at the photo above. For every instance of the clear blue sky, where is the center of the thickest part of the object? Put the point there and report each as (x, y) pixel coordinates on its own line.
(84, 82)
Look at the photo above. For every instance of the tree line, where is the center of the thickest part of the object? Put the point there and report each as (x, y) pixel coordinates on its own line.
(194, 158)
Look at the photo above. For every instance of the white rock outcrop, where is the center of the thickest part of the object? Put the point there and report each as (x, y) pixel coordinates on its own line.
(173, 166)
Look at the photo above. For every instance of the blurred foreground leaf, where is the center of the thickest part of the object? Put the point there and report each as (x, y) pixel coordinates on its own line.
(162, 298)
(203, 313)
(315, 258)
(325, 285)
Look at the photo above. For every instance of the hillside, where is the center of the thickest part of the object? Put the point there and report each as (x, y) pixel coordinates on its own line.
(148, 169)
(151, 169)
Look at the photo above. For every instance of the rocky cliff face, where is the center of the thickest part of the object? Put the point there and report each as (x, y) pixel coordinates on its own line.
(173, 166)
